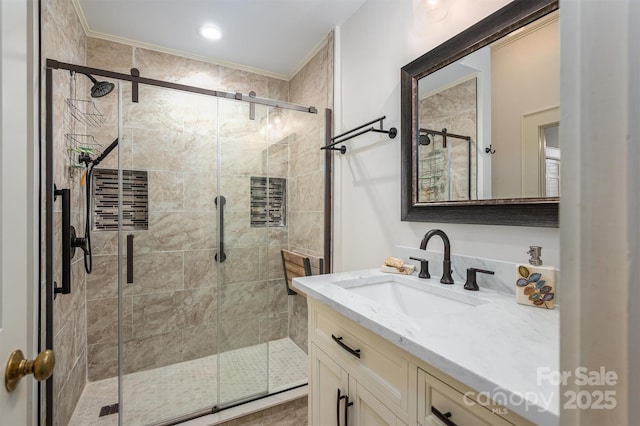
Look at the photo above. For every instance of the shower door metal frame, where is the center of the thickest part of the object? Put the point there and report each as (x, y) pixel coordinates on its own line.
(49, 187)
(135, 79)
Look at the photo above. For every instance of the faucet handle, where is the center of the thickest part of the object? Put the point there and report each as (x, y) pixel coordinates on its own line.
(424, 267)
(471, 283)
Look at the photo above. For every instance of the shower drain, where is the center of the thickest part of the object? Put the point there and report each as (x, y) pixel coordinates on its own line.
(108, 409)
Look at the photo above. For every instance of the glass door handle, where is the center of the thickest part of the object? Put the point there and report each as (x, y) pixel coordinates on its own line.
(130, 259)
(220, 202)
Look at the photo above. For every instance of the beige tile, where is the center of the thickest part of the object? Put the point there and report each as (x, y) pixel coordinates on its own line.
(298, 322)
(104, 242)
(152, 352)
(109, 55)
(236, 190)
(166, 191)
(278, 235)
(202, 116)
(303, 125)
(199, 341)
(234, 80)
(102, 320)
(80, 327)
(271, 262)
(157, 109)
(199, 192)
(306, 231)
(243, 300)
(307, 193)
(240, 265)
(310, 84)
(278, 159)
(102, 283)
(176, 69)
(278, 89)
(274, 327)
(238, 231)
(278, 297)
(290, 414)
(200, 269)
(180, 231)
(102, 361)
(66, 305)
(171, 150)
(69, 394)
(308, 161)
(199, 306)
(242, 156)
(157, 313)
(235, 334)
(63, 343)
(156, 272)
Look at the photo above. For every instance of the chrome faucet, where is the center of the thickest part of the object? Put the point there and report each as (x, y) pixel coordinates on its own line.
(446, 264)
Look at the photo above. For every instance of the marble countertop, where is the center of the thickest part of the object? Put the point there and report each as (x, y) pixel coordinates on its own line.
(501, 349)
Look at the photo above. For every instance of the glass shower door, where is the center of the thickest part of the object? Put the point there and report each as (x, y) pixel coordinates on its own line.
(243, 255)
(168, 241)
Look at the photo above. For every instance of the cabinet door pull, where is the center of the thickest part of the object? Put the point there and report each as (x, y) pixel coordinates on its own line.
(340, 397)
(347, 404)
(443, 417)
(354, 352)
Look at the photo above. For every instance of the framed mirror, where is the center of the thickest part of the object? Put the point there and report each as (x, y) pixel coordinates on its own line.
(480, 118)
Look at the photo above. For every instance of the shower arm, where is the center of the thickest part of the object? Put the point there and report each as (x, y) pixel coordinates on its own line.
(105, 153)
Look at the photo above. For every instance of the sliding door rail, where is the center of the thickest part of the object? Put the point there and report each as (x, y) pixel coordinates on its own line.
(135, 78)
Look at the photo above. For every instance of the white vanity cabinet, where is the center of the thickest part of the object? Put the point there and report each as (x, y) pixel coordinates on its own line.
(373, 374)
(360, 379)
(338, 398)
(439, 403)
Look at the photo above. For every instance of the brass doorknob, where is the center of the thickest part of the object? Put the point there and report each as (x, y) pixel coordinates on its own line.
(17, 367)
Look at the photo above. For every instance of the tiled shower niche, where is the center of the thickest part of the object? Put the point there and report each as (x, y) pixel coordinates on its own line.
(135, 200)
(268, 202)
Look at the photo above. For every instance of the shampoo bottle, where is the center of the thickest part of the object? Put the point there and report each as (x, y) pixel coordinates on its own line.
(535, 284)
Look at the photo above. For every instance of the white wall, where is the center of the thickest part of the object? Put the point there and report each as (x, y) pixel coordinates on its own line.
(600, 98)
(525, 76)
(380, 38)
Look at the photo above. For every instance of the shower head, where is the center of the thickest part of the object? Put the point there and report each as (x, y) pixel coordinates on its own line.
(424, 139)
(100, 88)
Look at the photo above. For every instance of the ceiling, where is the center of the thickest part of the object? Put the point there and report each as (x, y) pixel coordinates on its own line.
(274, 37)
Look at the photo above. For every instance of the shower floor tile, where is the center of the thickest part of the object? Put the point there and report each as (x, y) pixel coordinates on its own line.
(162, 393)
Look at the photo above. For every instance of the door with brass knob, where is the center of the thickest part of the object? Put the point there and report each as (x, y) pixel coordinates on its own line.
(18, 366)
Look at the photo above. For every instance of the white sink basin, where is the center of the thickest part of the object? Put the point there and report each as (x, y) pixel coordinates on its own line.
(413, 298)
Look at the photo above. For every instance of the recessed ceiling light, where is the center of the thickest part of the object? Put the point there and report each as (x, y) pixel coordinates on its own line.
(210, 32)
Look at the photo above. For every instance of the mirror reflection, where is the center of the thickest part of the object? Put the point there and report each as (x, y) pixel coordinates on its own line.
(488, 123)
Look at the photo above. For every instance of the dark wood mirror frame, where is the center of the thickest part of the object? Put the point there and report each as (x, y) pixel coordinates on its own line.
(541, 212)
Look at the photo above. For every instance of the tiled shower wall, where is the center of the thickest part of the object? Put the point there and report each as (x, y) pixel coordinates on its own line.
(63, 39)
(312, 85)
(174, 137)
(170, 309)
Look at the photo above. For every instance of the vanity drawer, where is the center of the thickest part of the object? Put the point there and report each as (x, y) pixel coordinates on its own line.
(460, 410)
(378, 365)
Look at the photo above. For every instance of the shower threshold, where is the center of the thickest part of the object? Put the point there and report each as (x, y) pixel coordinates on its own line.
(157, 395)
